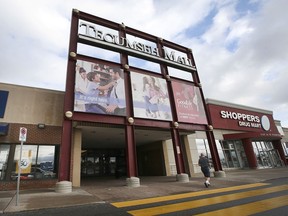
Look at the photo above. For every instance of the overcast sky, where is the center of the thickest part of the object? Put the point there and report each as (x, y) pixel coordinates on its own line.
(240, 46)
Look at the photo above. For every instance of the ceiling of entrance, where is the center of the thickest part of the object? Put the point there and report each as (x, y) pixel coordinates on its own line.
(114, 137)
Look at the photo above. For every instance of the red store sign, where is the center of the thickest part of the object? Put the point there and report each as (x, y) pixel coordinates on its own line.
(242, 120)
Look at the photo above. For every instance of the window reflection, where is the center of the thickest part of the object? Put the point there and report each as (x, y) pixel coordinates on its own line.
(4, 152)
(37, 162)
(266, 155)
(203, 147)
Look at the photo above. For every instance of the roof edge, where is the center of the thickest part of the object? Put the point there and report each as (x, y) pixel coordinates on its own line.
(237, 106)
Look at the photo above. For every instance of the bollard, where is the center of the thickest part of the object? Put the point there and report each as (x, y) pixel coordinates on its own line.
(183, 177)
(219, 174)
(133, 182)
(63, 187)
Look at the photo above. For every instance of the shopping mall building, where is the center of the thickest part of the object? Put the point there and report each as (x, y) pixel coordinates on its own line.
(138, 111)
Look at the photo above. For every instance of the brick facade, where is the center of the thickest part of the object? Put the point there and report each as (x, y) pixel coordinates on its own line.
(48, 135)
(28, 184)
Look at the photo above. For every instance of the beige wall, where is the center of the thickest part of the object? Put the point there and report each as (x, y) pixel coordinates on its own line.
(33, 105)
(169, 158)
(76, 158)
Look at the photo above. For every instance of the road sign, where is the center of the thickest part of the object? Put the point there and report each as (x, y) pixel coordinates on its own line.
(22, 134)
(22, 138)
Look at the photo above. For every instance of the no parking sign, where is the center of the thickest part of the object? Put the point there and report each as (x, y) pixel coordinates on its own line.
(22, 134)
(22, 163)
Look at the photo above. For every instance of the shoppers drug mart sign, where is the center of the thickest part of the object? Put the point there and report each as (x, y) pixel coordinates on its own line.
(247, 120)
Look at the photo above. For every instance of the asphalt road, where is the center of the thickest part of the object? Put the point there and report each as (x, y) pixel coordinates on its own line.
(265, 198)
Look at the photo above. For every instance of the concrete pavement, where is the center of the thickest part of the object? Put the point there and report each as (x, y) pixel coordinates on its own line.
(106, 190)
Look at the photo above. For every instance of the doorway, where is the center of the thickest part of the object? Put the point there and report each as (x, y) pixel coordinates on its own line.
(103, 163)
(102, 151)
(266, 155)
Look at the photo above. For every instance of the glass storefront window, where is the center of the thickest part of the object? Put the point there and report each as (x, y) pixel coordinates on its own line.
(243, 161)
(266, 155)
(46, 156)
(285, 148)
(45, 162)
(221, 154)
(200, 146)
(230, 154)
(203, 147)
(235, 160)
(27, 151)
(268, 145)
(4, 152)
(37, 162)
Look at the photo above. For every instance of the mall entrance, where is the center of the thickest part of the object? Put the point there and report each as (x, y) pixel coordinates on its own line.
(150, 152)
(103, 162)
(103, 151)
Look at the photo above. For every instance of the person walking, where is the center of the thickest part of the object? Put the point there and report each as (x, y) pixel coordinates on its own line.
(205, 168)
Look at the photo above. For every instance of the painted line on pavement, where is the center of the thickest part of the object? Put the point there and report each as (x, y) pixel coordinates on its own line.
(251, 208)
(164, 209)
(184, 195)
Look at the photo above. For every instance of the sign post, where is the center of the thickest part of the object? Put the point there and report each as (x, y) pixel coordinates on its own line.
(22, 138)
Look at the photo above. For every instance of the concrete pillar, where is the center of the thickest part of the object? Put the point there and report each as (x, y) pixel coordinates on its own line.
(76, 158)
(248, 148)
(178, 153)
(188, 155)
(169, 158)
(131, 156)
(166, 158)
(65, 148)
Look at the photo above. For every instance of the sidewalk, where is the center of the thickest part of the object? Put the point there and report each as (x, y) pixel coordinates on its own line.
(113, 190)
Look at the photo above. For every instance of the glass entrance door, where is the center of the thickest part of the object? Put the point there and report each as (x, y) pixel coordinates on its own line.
(266, 155)
(274, 158)
(100, 163)
(264, 159)
(230, 154)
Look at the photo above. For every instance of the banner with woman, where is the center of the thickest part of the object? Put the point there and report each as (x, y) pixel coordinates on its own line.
(189, 104)
(150, 97)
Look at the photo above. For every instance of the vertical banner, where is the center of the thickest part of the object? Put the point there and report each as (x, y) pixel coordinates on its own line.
(150, 97)
(189, 104)
(99, 89)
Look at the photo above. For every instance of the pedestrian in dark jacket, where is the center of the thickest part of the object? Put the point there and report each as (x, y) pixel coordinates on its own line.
(205, 168)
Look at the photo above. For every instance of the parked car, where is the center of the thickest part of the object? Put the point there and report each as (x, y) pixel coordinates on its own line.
(36, 173)
(23, 176)
(40, 173)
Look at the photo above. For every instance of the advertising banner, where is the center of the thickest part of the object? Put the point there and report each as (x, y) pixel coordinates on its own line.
(150, 97)
(189, 105)
(99, 89)
(26, 162)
